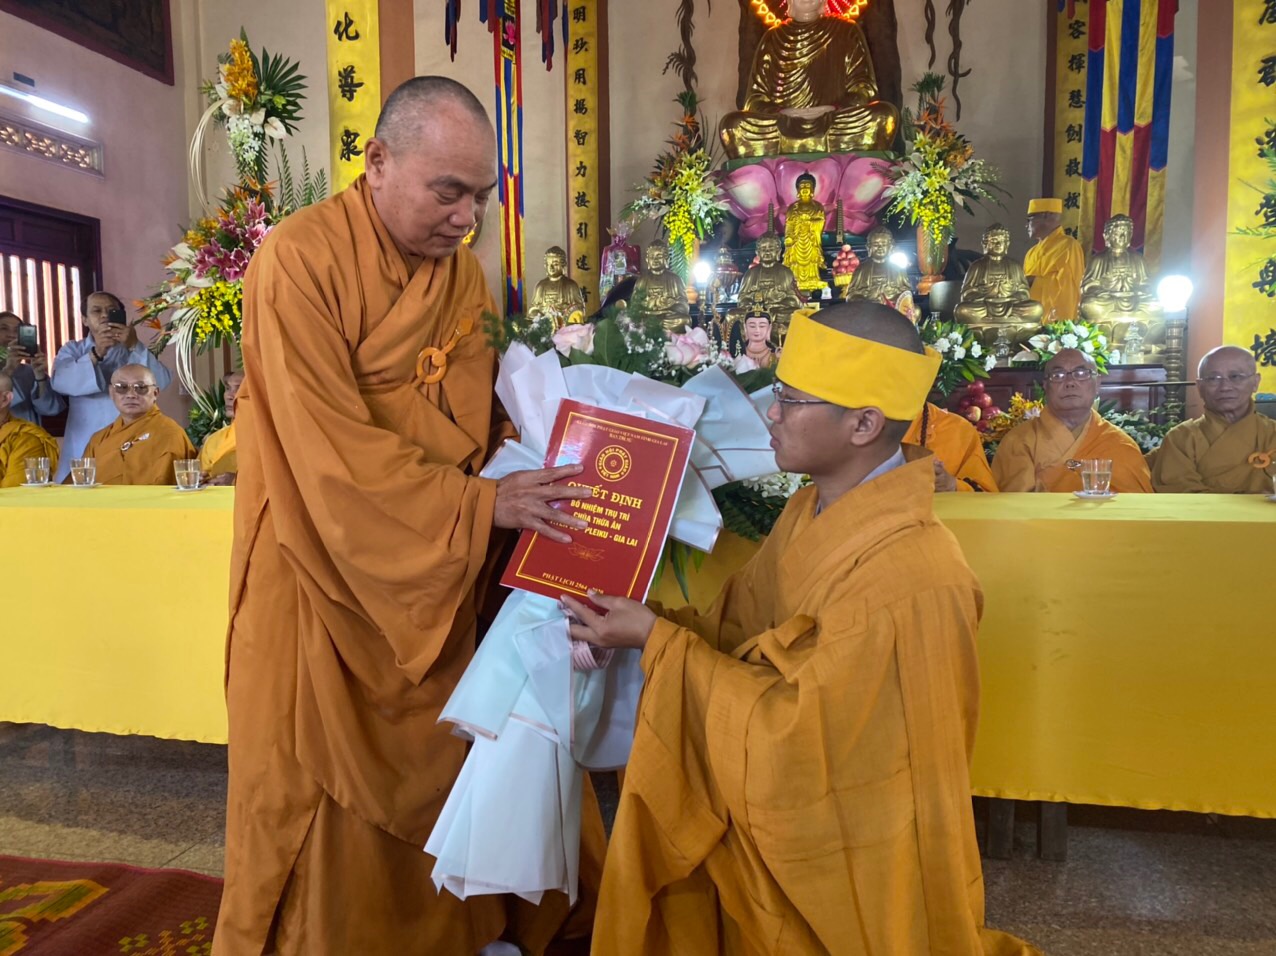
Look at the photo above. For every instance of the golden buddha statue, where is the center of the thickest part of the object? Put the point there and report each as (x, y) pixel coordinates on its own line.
(878, 279)
(995, 290)
(812, 89)
(557, 295)
(769, 286)
(752, 339)
(803, 235)
(1116, 285)
(659, 293)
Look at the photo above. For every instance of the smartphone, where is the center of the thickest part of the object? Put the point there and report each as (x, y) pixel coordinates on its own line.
(116, 317)
(28, 339)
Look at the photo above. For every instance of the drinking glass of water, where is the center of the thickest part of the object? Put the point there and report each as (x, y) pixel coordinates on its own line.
(187, 472)
(84, 472)
(1096, 475)
(37, 471)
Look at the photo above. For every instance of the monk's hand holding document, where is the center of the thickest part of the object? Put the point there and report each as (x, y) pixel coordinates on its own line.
(622, 623)
(523, 500)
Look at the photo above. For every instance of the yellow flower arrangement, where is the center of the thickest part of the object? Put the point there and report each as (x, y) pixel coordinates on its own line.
(219, 311)
(239, 74)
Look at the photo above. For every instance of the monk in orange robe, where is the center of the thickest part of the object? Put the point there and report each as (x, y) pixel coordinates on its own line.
(361, 537)
(218, 460)
(1043, 454)
(140, 446)
(960, 463)
(20, 440)
(1055, 266)
(1229, 450)
(799, 780)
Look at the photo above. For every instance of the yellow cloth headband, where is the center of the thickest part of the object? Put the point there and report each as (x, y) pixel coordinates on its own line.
(1044, 205)
(854, 372)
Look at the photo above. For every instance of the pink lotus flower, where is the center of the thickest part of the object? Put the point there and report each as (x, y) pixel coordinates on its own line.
(689, 349)
(859, 181)
(575, 337)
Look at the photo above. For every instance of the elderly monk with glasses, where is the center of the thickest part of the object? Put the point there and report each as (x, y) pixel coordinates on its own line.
(1043, 454)
(799, 780)
(140, 446)
(1231, 448)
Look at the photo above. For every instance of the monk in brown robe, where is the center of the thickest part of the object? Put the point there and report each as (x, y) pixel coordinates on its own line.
(1231, 449)
(361, 536)
(960, 463)
(140, 446)
(799, 777)
(20, 440)
(1043, 454)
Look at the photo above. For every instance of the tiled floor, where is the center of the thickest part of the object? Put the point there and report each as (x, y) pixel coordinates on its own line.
(1134, 884)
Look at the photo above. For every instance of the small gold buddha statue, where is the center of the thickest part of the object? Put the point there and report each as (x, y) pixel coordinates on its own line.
(812, 89)
(995, 290)
(557, 295)
(878, 279)
(1116, 285)
(659, 293)
(752, 338)
(770, 285)
(803, 236)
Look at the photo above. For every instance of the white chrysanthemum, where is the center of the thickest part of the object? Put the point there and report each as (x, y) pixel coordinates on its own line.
(976, 349)
(1087, 347)
(1069, 340)
(990, 363)
(1102, 340)
(955, 338)
(959, 353)
(942, 346)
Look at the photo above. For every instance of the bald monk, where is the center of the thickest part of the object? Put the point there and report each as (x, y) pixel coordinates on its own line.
(361, 535)
(799, 776)
(1230, 449)
(218, 460)
(959, 460)
(20, 440)
(140, 446)
(1056, 264)
(1043, 454)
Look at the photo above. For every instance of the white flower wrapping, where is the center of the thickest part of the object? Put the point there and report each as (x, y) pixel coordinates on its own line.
(536, 722)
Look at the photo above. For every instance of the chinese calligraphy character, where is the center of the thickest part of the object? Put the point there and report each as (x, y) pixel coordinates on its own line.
(582, 263)
(579, 77)
(1267, 140)
(1073, 168)
(1266, 283)
(347, 85)
(1267, 210)
(1076, 29)
(582, 230)
(1076, 63)
(1267, 72)
(1072, 231)
(580, 108)
(582, 170)
(1074, 132)
(582, 200)
(1265, 349)
(1075, 99)
(578, 14)
(1072, 201)
(1269, 13)
(585, 293)
(580, 45)
(580, 136)
(350, 145)
(345, 29)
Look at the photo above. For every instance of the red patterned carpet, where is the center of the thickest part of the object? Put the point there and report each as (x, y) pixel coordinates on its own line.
(52, 908)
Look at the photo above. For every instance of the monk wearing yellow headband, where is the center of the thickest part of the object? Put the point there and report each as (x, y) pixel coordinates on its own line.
(799, 777)
(1056, 264)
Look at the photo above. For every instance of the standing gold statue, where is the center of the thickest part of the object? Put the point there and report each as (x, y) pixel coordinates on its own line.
(659, 293)
(769, 286)
(995, 290)
(878, 279)
(812, 90)
(803, 235)
(1116, 282)
(557, 295)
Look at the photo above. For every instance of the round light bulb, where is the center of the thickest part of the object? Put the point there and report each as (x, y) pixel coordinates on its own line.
(703, 272)
(1174, 293)
(899, 259)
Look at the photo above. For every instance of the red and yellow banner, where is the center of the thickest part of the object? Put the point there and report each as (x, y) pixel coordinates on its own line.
(584, 148)
(354, 84)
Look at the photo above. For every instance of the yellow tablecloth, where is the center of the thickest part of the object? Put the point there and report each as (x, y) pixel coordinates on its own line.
(1128, 650)
(115, 609)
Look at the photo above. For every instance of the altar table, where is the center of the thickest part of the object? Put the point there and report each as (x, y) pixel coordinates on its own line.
(1127, 652)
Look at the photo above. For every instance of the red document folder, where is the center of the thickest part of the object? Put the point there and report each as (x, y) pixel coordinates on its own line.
(635, 467)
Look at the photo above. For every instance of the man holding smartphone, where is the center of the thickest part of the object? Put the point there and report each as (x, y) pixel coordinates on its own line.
(82, 372)
(28, 369)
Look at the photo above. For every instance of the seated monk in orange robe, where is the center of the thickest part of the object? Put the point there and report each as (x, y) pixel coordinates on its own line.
(218, 460)
(20, 440)
(140, 446)
(799, 781)
(960, 463)
(362, 532)
(1229, 450)
(1040, 454)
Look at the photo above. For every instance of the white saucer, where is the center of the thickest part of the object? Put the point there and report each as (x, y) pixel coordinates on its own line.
(96, 484)
(38, 484)
(1095, 496)
(179, 488)
(1271, 498)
